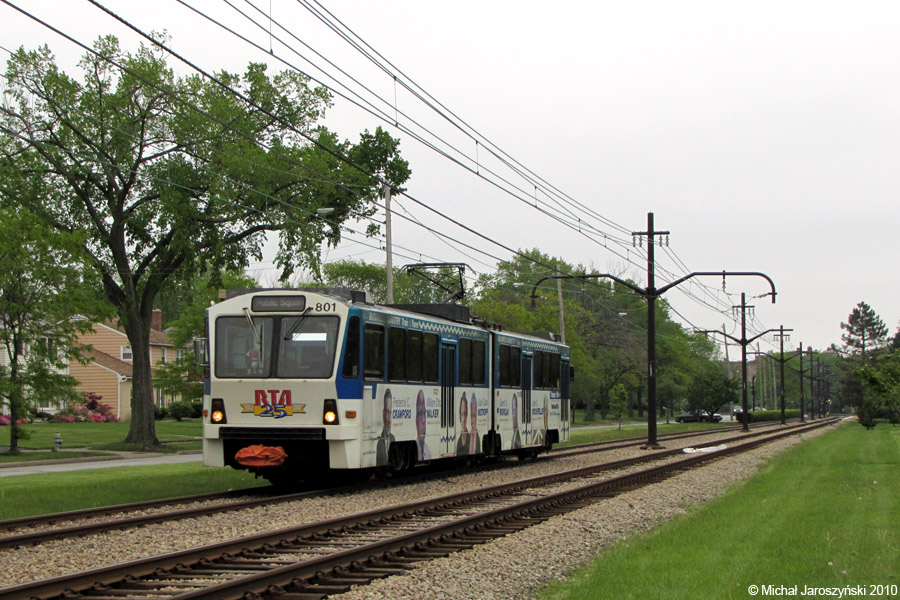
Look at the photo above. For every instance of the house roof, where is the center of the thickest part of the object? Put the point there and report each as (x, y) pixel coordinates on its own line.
(109, 362)
(157, 338)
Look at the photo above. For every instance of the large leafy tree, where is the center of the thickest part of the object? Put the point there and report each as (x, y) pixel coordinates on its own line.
(605, 328)
(372, 277)
(504, 298)
(710, 389)
(170, 175)
(41, 288)
(881, 381)
(680, 355)
(187, 302)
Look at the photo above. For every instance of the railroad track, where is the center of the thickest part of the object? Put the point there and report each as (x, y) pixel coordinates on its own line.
(315, 560)
(640, 441)
(35, 530)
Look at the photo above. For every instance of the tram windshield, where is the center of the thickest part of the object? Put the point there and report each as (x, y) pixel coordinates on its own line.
(304, 349)
(307, 347)
(243, 347)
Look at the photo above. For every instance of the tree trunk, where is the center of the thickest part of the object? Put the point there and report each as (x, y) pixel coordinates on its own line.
(143, 428)
(640, 402)
(15, 398)
(589, 409)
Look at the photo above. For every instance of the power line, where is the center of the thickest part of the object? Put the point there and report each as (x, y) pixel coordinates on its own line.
(193, 107)
(245, 39)
(577, 226)
(433, 103)
(413, 199)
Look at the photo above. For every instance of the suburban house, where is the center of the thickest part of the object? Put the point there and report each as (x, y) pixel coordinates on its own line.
(109, 372)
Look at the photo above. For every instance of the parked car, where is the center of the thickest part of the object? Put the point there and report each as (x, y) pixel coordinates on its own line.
(701, 416)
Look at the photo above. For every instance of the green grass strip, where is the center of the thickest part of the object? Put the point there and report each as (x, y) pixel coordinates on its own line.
(106, 436)
(823, 514)
(27, 495)
(585, 435)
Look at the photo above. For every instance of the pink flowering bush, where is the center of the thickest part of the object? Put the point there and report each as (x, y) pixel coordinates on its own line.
(6, 420)
(93, 410)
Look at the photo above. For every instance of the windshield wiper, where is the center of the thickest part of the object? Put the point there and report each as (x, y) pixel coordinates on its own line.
(294, 327)
(253, 328)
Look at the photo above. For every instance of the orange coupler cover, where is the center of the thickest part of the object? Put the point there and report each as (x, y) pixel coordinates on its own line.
(261, 456)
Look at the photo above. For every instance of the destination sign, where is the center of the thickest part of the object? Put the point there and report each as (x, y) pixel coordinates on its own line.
(278, 304)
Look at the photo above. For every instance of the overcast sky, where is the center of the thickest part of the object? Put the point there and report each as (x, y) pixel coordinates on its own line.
(764, 136)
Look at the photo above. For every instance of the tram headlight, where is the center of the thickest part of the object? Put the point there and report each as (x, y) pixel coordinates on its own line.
(329, 413)
(217, 412)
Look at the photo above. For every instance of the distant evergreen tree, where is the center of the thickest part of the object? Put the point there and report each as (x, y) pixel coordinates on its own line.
(865, 331)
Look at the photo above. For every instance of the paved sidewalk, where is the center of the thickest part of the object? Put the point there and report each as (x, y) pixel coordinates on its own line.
(122, 459)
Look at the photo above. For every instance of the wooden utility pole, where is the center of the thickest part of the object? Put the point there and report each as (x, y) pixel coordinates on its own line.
(562, 319)
(389, 249)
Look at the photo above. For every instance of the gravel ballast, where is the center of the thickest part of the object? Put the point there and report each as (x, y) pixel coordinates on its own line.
(510, 567)
(513, 567)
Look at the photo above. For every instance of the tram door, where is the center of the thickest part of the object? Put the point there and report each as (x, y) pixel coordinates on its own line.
(448, 393)
(527, 375)
(565, 392)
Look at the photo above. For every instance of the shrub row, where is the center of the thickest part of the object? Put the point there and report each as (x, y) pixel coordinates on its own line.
(179, 410)
(773, 415)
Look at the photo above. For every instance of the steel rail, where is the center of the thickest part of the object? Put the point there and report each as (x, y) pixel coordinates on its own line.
(174, 561)
(31, 538)
(278, 581)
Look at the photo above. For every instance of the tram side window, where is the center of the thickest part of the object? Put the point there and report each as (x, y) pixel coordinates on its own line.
(539, 378)
(414, 355)
(396, 354)
(504, 367)
(546, 380)
(554, 370)
(510, 366)
(373, 351)
(430, 356)
(471, 362)
(515, 358)
(465, 362)
(478, 363)
(351, 353)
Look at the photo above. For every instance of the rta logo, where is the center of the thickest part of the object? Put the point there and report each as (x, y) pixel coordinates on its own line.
(272, 403)
(268, 397)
